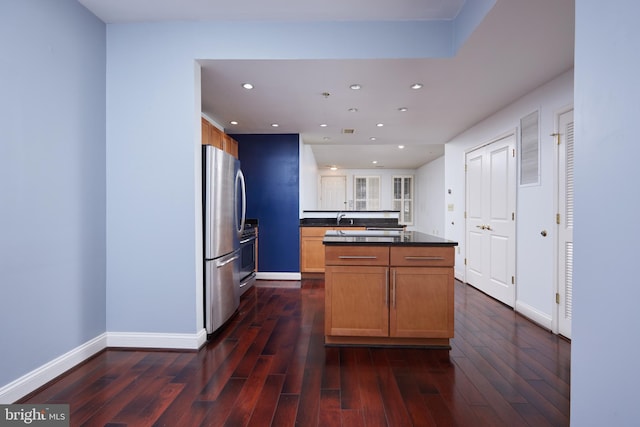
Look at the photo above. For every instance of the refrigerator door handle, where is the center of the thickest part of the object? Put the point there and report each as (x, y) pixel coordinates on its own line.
(240, 178)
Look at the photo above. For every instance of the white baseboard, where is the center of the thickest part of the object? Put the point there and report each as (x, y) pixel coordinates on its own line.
(536, 316)
(157, 340)
(265, 275)
(45, 373)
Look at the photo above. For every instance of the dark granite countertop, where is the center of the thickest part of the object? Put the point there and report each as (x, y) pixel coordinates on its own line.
(383, 238)
(351, 222)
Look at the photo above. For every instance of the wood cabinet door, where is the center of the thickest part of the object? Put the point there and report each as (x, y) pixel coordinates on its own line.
(216, 137)
(312, 255)
(211, 135)
(230, 145)
(206, 132)
(356, 301)
(312, 249)
(421, 302)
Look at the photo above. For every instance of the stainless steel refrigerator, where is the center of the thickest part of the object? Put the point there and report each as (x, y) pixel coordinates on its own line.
(224, 204)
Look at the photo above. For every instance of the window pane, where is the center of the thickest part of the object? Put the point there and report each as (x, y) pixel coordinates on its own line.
(407, 214)
(397, 188)
(367, 192)
(361, 186)
(403, 198)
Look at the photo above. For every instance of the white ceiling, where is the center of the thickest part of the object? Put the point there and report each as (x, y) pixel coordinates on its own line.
(520, 45)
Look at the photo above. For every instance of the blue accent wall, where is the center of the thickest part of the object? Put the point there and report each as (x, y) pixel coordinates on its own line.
(271, 166)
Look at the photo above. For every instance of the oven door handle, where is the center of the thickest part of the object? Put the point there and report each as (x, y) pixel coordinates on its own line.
(247, 240)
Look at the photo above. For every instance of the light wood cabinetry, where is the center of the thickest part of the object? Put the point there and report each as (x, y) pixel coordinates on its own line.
(211, 135)
(389, 295)
(421, 302)
(230, 145)
(311, 247)
(357, 301)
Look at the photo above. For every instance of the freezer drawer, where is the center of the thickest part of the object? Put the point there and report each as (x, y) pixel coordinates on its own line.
(222, 294)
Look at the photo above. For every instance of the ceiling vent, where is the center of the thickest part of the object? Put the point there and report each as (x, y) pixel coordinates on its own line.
(346, 131)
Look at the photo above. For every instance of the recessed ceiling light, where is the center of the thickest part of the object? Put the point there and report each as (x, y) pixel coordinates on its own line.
(326, 138)
(416, 86)
(375, 162)
(373, 138)
(333, 168)
(380, 125)
(274, 125)
(233, 122)
(247, 85)
(403, 109)
(401, 146)
(323, 125)
(353, 110)
(355, 86)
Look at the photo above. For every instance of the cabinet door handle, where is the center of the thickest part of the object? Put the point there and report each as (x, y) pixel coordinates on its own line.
(394, 288)
(386, 294)
(357, 257)
(424, 258)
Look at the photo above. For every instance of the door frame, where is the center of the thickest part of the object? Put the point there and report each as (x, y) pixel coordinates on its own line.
(555, 317)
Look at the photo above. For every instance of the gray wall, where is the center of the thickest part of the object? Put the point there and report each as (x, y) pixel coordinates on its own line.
(52, 181)
(606, 342)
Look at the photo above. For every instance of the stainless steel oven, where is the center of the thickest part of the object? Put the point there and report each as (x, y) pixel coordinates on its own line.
(248, 246)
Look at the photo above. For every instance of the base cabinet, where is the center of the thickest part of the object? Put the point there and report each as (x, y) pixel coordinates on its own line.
(358, 301)
(370, 301)
(312, 249)
(421, 302)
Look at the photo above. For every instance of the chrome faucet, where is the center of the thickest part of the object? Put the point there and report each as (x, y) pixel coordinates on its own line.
(339, 217)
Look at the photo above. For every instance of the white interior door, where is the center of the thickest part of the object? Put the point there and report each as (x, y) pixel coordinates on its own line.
(490, 219)
(333, 193)
(565, 223)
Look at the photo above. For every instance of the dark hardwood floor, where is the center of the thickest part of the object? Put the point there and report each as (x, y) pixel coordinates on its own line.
(270, 367)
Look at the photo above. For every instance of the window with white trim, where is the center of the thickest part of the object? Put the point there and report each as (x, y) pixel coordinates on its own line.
(403, 198)
(366, 193)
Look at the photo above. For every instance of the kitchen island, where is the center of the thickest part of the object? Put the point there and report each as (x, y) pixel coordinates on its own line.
(388, 288)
